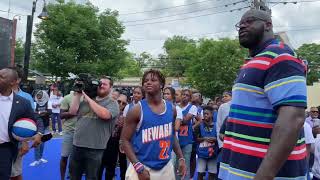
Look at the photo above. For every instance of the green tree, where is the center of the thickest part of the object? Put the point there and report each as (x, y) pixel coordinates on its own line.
(214, 68)
(19, 52)
(179, 51)
(77, 38)
(131, 68)
(146, 61)
(311, 53)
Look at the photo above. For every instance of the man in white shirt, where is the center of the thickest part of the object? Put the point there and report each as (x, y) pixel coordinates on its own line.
(316, 151)
(313, 120)
(223, 112)
(309, 140)
(13, 107)
(54, 104)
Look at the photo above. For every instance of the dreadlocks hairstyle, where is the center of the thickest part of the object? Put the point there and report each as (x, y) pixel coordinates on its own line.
(156, 73)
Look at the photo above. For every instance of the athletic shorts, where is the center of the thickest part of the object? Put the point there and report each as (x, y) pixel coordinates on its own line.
(166, 173)
(211, 164)
(17, 167)
(67, 144)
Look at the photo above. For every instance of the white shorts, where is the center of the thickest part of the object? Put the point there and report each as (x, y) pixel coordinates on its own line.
(210, 163)
(166, 173)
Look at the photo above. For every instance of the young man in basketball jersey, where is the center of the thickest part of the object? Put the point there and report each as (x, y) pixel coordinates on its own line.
(207, 146)
(185, 133)
(148, 134)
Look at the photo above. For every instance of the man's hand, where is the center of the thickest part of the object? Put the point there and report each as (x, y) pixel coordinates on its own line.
(182, 169)
(145, 175)
(24, 149)
(36, 140)
(86, 97)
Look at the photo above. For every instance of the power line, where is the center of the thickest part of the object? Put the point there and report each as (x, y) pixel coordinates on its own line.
(13, 13)
(292, 2)
(200, 10)
(172, 7)
(303, 28)
(208, 14)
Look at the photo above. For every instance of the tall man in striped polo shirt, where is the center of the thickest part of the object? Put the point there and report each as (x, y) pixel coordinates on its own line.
(264, 139)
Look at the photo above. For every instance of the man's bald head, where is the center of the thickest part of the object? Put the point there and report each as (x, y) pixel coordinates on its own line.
(8, 78)
(260, 14)
(255, 28)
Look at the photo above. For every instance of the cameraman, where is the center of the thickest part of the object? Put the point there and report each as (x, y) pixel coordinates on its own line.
(96, 119)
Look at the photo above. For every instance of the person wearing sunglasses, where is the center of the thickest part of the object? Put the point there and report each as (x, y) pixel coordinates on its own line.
(264, 137)
(110, 155)
(313, 119)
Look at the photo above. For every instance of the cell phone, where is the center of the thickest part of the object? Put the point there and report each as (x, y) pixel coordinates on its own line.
(46, 137)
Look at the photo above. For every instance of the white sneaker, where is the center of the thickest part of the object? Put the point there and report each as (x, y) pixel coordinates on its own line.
(60, 133)
(35, 163)
(43, 160)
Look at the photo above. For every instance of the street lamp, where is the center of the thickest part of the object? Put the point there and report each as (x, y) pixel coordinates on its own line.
(44, 14)
(27, 46)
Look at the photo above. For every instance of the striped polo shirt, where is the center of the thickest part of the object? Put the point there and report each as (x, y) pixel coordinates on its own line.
(272, 78)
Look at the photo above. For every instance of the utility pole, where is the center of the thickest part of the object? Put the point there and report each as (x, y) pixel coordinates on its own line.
(260, 4)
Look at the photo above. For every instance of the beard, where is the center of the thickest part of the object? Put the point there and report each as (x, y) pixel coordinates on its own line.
(252, 39)
(102, 92)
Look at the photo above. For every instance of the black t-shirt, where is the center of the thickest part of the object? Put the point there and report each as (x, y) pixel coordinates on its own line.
(45, 116)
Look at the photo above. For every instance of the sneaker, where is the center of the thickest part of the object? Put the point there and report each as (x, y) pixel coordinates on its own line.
(60, 133)
(35, 163)
(43, 160)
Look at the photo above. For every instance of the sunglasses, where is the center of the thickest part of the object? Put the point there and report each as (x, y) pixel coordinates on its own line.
(248, 22)
(122, 102)
(315, 111)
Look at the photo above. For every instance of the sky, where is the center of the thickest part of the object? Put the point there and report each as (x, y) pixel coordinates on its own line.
(149, 22)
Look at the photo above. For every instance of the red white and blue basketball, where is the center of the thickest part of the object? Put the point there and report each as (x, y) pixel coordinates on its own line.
(24, 129)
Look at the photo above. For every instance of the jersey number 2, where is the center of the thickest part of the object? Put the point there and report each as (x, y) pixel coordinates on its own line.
(164, 145)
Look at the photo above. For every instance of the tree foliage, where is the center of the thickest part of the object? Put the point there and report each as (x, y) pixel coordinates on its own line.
(145, 60)
(215, 66)
(179, 51)
(77, 38)
(131, 68)
(19, 52)
(311, 53)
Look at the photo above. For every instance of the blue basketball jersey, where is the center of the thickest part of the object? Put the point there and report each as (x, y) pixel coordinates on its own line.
(185, 131)
(205, 149)
(152, 142)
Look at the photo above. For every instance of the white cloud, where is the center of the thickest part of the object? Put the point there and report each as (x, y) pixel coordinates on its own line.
(150, 37)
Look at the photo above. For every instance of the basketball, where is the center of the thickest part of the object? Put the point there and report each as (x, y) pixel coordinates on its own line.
(24, 129)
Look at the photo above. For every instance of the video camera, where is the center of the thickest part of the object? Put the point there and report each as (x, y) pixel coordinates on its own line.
(87, 83)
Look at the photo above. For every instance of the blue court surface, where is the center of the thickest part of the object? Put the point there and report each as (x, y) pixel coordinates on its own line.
(51, 169)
